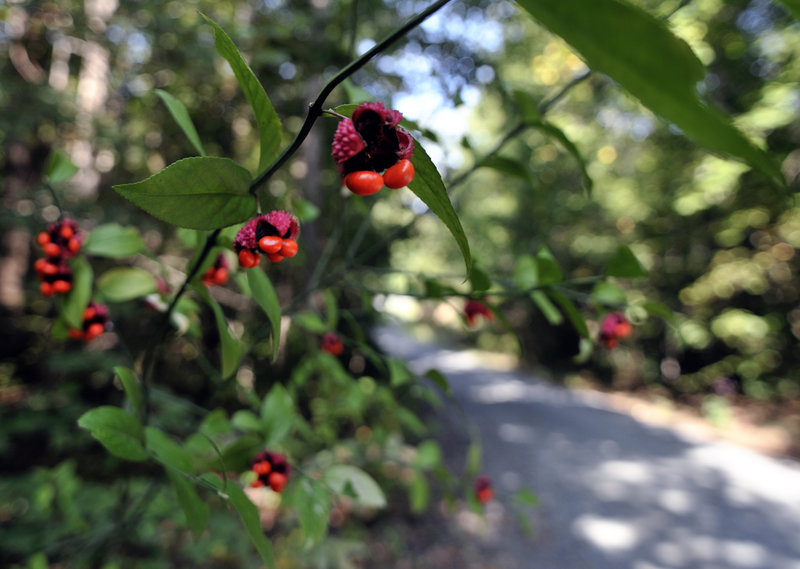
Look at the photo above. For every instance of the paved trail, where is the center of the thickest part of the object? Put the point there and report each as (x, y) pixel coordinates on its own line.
(615, 493)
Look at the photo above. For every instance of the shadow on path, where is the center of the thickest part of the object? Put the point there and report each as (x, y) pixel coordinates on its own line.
(614, 493)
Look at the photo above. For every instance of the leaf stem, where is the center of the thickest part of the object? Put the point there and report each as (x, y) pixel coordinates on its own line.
(315, 109)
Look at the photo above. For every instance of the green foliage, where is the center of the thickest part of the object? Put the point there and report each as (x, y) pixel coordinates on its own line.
(348, 480)
(199, 193)
(181, 116)
(59, 168)
(644, 57)
(267, 299)
(116, 430)
(114, 241)
(71, 306)
(125, 283)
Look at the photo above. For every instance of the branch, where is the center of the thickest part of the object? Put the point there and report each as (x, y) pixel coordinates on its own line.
(315, 109)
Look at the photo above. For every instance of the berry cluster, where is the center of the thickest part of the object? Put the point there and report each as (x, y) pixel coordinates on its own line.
(272, 468)
(483, 489)
(370, 143)
(332, 344)
(273, 234)
(60, 242)
(217, 273)
(95, 320)
(613, 328)
(474, 308)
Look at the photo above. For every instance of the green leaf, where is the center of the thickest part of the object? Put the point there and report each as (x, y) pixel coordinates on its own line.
(132, 388)
(229, 345)
(419, 493)
(311, 322)
(473, 460)
(114, 241)
(166, 451)
(479, 280)
(658, 309)
(428, 186)
(641, 54)
(509, 166)
(439, 379)
(119, 432)
(59, 168)
(181, 116)
(548, 270)
(572, 312)
(267, 299)
(525, 496)
(570, 147)
(793, 6)
(248, 513)
(277, 415)
(551, 313)
(367, 491)
(429, 455)
(269, 125)
(245, 420)
(625, 264)
(527, 106)
(125, 283)
(608, 294)
(398, 372)
(72, 305)
(313, 505)
(526, 272)
(195, 510)
(202, 192)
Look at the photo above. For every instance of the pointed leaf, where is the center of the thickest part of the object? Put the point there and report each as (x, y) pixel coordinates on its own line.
(267, 299)
(608, 294)
(527, 106)
(132, 388)
(570, 147)
(195, 510)
(526, 272)
(248, 513)
(277, 415)
(419, 493)
(625, 264)
(245, 420)
(367, 491)
(479, 280)
(114, 241)
(269, 126)
(509, 166)
(428, 186)
(229, 345)
(550, 312)
(199, 193)
(72, 305)
(125, 283)
(572, 312)
(166, 451)
(181, 116)
(439, 379)
(548, 269)
(119, 432)
(429, 455)
(641, 54)
(59, 168)
(313, 505)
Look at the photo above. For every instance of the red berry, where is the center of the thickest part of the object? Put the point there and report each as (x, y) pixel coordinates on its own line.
(75, 334)
(74, 245)
(485, 496)
(277, 481)
(399, 175)
(94, 331)
(364, 183)
(262, 468)
(43, 238)
(270, 244)
(221, 276)
(623, 329)
(256, 483)
(46, 289)
(248, 259)
(289, 248)
(52, 250)
(61, 287)
(66, 231)
(49, 268)
(89, 313)
(275, 257)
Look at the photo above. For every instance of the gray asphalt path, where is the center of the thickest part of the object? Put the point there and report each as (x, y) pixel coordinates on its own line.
(614, 493)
